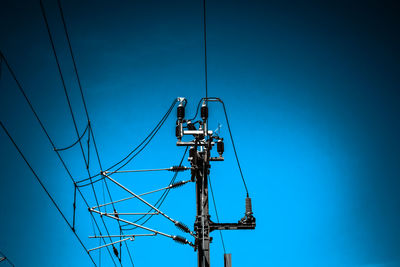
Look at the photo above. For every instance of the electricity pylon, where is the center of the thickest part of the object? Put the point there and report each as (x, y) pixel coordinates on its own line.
(200, 158)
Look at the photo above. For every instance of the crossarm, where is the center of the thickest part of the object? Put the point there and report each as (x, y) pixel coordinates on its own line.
(232, 226)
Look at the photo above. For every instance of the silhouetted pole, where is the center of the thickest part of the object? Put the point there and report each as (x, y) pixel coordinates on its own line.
(200, 158)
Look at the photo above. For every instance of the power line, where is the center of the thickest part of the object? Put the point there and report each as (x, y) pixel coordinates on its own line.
(25, 96)
(84, 102)
(47, 134)
(146, 141)
(77, 74)
(205, 46)
(234, 148)
(89, 183)
(149, 137)
(44, 188)
(63, 81)
(73, 57)
(200, 157)
(86, 111)
(144, 146)
(69, 104)
(162, 198)
(143, 143)
(6, 258)
(130, 157)
(59, 68)
(79, 139)
(216, 212)
(216, 99)
(1, 67)
(119, 224)
(206, 83)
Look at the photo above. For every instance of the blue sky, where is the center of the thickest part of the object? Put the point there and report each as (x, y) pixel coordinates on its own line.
(312, 92)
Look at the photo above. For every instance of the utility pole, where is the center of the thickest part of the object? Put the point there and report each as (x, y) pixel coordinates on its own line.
(200, 158)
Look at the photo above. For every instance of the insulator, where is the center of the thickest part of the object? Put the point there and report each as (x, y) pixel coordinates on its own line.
(249, 209)
(178, 168)
(181, 112)
(204, 112)
(180, 239)
(178, 131)
(182, 227)
(115, 252)
(177, 184)
(220, 147)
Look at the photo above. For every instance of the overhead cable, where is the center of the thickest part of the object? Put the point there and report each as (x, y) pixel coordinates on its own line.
(162, 198)
(73, 144)
(45, 131)
(86, 161)
(216, 212)
(139, 148)
(5, 258)
(205, 46)
(216, 99)
(44, 187)
(84, 102)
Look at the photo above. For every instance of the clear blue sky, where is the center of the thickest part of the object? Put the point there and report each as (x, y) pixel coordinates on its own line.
(312, 91)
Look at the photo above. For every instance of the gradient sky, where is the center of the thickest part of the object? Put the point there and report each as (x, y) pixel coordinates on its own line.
(312, 92)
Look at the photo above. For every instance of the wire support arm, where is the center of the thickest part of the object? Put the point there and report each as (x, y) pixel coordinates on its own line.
(112, 243)
(173, 169)
(141, 199)
(132, 213)
(173, 185)
(161, 200)
(131, 223)
(108, 236)
(140, 226)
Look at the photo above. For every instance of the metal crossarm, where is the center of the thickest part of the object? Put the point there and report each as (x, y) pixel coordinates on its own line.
(232, 226)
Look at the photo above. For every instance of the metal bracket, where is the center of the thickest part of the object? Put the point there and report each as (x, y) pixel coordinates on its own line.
(232, 226)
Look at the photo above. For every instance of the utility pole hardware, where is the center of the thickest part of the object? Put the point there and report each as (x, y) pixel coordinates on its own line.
(199, 146)
(200, 158)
